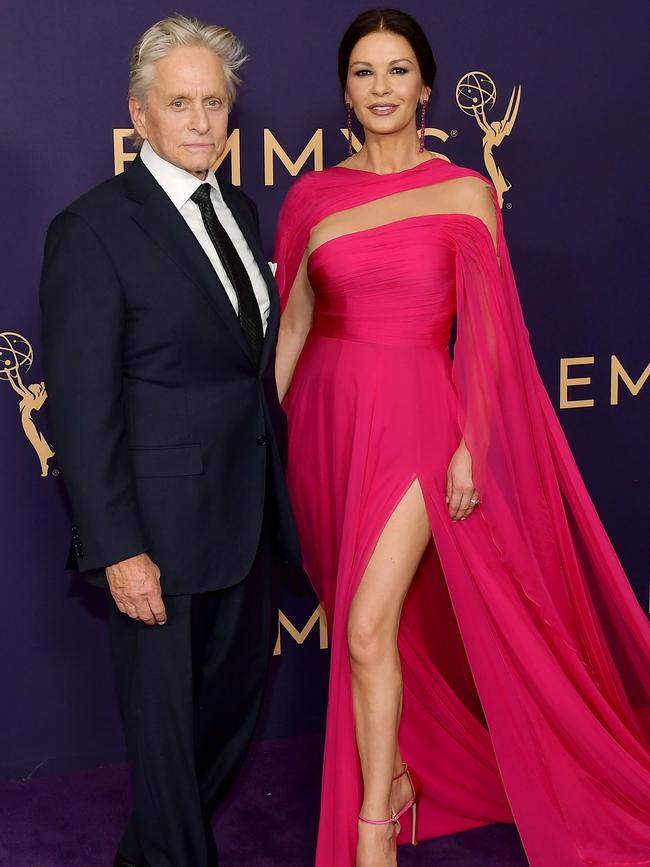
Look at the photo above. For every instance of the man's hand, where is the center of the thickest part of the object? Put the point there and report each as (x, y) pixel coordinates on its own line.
(135, 587)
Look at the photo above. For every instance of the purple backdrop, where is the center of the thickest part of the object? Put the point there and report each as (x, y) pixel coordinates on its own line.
(575, 220)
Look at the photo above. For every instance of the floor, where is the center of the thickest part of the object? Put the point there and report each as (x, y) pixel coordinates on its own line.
(74, 820)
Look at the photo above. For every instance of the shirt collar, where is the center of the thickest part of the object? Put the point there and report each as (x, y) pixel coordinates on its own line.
(176, 182)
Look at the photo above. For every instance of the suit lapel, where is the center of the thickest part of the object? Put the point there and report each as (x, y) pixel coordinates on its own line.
(162, 222)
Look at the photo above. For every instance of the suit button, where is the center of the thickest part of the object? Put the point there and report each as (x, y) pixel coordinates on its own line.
(261, 440)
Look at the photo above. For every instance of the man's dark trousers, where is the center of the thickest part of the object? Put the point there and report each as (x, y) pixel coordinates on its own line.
(189, 693)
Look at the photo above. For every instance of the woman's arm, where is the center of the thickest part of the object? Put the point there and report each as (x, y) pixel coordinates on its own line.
(481, 204)
(476, 199)
(294, 328)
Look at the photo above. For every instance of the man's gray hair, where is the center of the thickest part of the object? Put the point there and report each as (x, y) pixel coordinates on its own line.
(169, 33)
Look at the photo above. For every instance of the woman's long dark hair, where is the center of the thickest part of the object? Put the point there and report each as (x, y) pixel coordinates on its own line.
(393, 21)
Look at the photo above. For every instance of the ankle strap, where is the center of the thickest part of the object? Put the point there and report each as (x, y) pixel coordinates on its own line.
(390, 821)
(401, 773)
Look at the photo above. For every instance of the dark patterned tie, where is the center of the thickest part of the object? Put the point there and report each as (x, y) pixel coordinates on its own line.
(249, 312)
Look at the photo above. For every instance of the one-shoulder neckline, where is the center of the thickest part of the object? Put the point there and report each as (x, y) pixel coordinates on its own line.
(392, 174)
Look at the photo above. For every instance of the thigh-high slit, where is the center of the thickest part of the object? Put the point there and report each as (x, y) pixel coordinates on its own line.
(442, 716)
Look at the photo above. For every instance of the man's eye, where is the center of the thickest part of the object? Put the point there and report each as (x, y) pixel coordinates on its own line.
(214, 103)
(177, 103)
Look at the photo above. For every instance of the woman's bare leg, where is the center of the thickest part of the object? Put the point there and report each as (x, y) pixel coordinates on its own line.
(376, 672)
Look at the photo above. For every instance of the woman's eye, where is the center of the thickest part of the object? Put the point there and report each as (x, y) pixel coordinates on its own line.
(362, 72)
(400, 69)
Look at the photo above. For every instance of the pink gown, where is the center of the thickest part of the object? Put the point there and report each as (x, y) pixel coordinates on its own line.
(525, 654)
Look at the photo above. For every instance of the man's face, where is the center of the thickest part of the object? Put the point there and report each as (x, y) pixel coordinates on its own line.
(185, 119)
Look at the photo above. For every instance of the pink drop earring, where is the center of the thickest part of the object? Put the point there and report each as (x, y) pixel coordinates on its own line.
(348, 106)
(423, 124)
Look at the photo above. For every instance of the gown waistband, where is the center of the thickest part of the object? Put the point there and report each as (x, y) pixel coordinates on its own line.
(383, 331)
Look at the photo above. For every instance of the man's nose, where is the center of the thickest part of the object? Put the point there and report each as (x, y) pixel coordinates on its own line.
(199, 119)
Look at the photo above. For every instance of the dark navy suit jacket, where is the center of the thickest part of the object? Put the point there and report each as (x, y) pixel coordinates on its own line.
(168, 435)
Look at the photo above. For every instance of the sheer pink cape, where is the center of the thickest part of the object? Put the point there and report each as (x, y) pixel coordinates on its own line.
(591, 639)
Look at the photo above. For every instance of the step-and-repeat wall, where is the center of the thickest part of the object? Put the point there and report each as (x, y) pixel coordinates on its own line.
(545, 99)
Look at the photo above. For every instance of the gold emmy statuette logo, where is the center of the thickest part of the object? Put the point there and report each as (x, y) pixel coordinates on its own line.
(16, 352)
(476, 94)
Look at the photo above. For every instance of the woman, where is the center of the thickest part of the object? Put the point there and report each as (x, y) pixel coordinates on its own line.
(483, 631)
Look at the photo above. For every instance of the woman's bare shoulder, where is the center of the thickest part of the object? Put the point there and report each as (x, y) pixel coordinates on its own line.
(474, 195)
(467, 189)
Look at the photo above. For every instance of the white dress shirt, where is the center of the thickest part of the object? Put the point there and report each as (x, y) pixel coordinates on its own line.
(179, 186)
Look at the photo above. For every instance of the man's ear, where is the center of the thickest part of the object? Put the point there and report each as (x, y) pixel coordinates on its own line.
(138, 117)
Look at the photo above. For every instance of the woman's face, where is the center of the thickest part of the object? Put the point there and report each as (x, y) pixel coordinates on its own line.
(384, 83)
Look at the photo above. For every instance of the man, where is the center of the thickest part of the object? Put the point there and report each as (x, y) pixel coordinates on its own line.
(160, 317)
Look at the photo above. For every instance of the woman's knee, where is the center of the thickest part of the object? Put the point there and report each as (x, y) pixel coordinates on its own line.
(370, 640)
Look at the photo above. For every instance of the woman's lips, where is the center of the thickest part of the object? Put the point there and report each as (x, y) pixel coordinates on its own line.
(382, 108)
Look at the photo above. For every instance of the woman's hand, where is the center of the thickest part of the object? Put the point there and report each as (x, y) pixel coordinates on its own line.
(461, 493)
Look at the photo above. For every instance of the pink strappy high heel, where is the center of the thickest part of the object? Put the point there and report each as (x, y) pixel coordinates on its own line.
(412, 803)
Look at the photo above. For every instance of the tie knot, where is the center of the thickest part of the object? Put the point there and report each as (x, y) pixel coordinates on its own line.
(201, 195)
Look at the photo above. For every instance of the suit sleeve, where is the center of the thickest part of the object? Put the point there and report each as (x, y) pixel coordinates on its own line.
(255, 213)
(83, 321)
